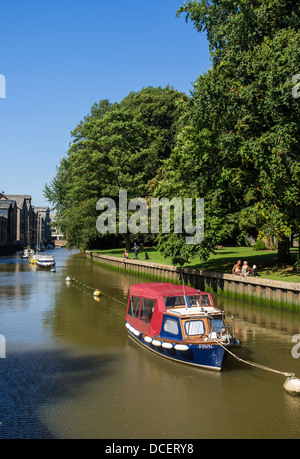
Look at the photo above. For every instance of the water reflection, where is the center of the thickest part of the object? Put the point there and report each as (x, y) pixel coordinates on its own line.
(72, 372)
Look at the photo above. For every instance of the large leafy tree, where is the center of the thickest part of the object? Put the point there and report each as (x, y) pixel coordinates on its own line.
(239, 148)
(116, 147)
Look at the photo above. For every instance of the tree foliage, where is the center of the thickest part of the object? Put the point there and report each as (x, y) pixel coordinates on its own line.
(239, 148)
(233, 142)
(116, 147)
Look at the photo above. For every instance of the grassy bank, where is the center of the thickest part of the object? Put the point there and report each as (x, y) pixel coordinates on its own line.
(224, 259)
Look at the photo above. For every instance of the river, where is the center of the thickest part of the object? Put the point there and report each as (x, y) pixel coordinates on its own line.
(70, 371)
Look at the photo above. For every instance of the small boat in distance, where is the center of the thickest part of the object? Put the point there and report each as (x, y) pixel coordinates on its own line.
(33, 259)
(45, 261)
(179, 323)
(27, 253)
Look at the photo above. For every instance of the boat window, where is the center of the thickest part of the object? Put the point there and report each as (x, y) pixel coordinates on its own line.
(172, 301)
(204, 300)
(171, 326)
(217, 325)
(134, 306)
(194, 300)
(199, 300)
(147, 310)
(194, 327)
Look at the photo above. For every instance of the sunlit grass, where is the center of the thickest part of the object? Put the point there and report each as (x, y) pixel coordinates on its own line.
(224, 259)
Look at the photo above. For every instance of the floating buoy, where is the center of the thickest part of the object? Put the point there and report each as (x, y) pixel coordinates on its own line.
(292, 385)
(69, 279)
(97, 293)
(53, 270)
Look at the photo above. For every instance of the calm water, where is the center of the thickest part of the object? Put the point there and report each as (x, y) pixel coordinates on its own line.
(71, 372)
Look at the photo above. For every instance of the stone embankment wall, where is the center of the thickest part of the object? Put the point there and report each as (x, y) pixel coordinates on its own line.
(284, 295)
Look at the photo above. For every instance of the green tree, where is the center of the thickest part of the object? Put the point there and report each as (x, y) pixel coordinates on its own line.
(116, 147)
(239, 147)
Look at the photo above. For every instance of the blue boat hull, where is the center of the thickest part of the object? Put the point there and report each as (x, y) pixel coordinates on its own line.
(209, 356)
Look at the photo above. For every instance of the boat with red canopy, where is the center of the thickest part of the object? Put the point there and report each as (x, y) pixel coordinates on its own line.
(178, 322)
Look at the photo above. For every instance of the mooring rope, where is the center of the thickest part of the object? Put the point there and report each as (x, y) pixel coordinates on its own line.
(258, 365)
(96, 289)
(253, 364)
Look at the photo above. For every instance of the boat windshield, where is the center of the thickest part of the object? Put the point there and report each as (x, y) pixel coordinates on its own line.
(199, 300)
(194, 300)
(217, 325)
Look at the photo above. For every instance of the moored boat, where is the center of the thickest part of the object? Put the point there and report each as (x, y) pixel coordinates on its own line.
(27, 253)
(45, 261)
(179, 323)
(33, 259)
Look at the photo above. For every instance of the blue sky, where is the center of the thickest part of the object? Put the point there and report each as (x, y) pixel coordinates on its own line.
(59, 57)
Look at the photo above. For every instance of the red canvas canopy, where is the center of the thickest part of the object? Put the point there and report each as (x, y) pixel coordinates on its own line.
(155, 291)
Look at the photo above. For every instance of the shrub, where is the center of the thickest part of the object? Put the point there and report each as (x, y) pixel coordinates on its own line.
(259, 245)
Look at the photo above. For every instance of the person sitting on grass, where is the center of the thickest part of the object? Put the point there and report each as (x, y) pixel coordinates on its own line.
(125, 256)
(237, 269)
(246, 270)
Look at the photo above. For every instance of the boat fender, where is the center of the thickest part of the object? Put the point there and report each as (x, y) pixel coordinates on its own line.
(148, 339)
(167, 345)
(127, 325)
(181, 347)
(213, 335)
(156, 343)
(292, 385)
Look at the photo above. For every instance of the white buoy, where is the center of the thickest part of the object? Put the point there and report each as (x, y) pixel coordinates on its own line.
(292, 385)
(69, 279)
(97, 293)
